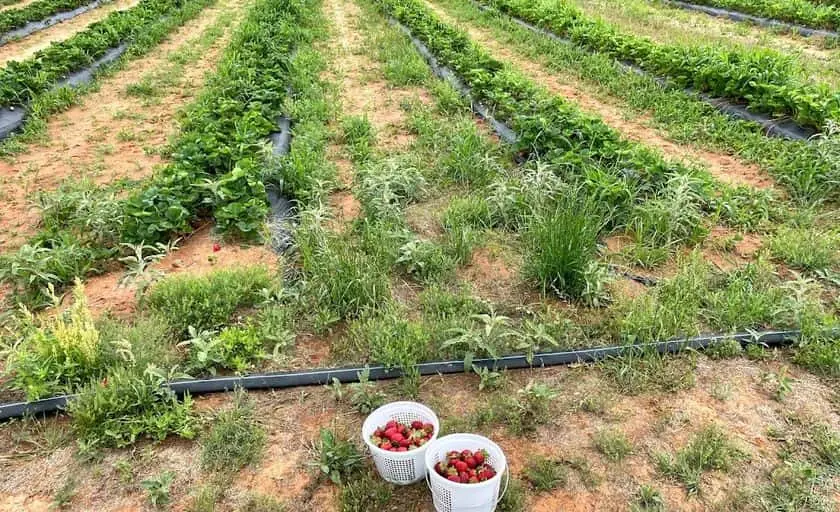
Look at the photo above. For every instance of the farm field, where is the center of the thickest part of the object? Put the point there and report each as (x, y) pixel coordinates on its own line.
(156, 227)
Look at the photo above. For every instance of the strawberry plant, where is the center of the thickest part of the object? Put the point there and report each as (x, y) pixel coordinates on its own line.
(764, 79)
(36, 11)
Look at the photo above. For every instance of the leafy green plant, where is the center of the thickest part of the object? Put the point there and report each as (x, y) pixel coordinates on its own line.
(235, 439)
(425, 260)
(234, 348)
(336, 458)
(358, 137)
(128, 405)
(157, 488)
(709, 449)
(488, 335)
(61, 354)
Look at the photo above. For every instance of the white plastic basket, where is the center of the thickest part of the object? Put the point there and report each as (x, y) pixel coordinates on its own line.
(401, 468)
(450, 496)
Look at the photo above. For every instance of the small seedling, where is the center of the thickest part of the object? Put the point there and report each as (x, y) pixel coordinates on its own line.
(336, 458)
(488, 379)
(157, 488)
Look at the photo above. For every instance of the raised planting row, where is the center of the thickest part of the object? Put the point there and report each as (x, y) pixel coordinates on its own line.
(21, 81)
(803, 12)
(37, 11)
(218, 166)
(809, 171)
(765, 80)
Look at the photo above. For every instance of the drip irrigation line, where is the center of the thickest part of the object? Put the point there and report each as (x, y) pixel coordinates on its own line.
(776, 127)
(282, 212)
(35, 26)
(756, 20)
(502, 130)
(324, 376)
(645, 280)
(13, 117)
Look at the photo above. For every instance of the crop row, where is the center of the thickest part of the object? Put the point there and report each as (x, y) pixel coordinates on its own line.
(37, 11)
(217, 164)
(764, 79)
(20, 81)
(803, 12)
(808, 170)
(548, 126)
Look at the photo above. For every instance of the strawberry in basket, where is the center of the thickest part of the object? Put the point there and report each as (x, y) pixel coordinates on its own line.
(400, 437)
(466, 467)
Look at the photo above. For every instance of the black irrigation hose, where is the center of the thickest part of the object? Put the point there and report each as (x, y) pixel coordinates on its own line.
(315, 377)
(282, 208)
(781, 127)
(756, 20)
(35, 26)
(13, 117)
(502, 130)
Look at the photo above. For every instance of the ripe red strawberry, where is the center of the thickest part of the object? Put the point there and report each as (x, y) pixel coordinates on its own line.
(471, 462)
(465, 477)
(480, 457)
(217, 247)
(417, 425)
(454, 478)
(461, 466)
(396, 437)
(405, 442)
(402, 449)
(466, 453)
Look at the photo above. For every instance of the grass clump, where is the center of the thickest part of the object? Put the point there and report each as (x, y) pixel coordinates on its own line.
(808, 248)
(639, 371)
(613, 444)
(207, 301)
(387, 337)
(747, 298)
(366, 492)
(648, 499)
(561, 246)
(425, 260)
(116, 411)
(263, 503)
(709, 449)
(545, 474)
(359, 137)
(515, 499)
(235, 440)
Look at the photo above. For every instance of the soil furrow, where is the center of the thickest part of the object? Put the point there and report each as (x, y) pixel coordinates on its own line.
(725, 168)
(28, 46)
(112, 134)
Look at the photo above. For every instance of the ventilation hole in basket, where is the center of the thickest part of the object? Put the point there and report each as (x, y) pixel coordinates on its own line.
(401, 470)
(442, 499)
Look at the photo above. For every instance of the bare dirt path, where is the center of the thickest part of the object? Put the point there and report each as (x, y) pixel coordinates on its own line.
(26, 47)
(363, 91)
(112, 134)
(726, 168)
